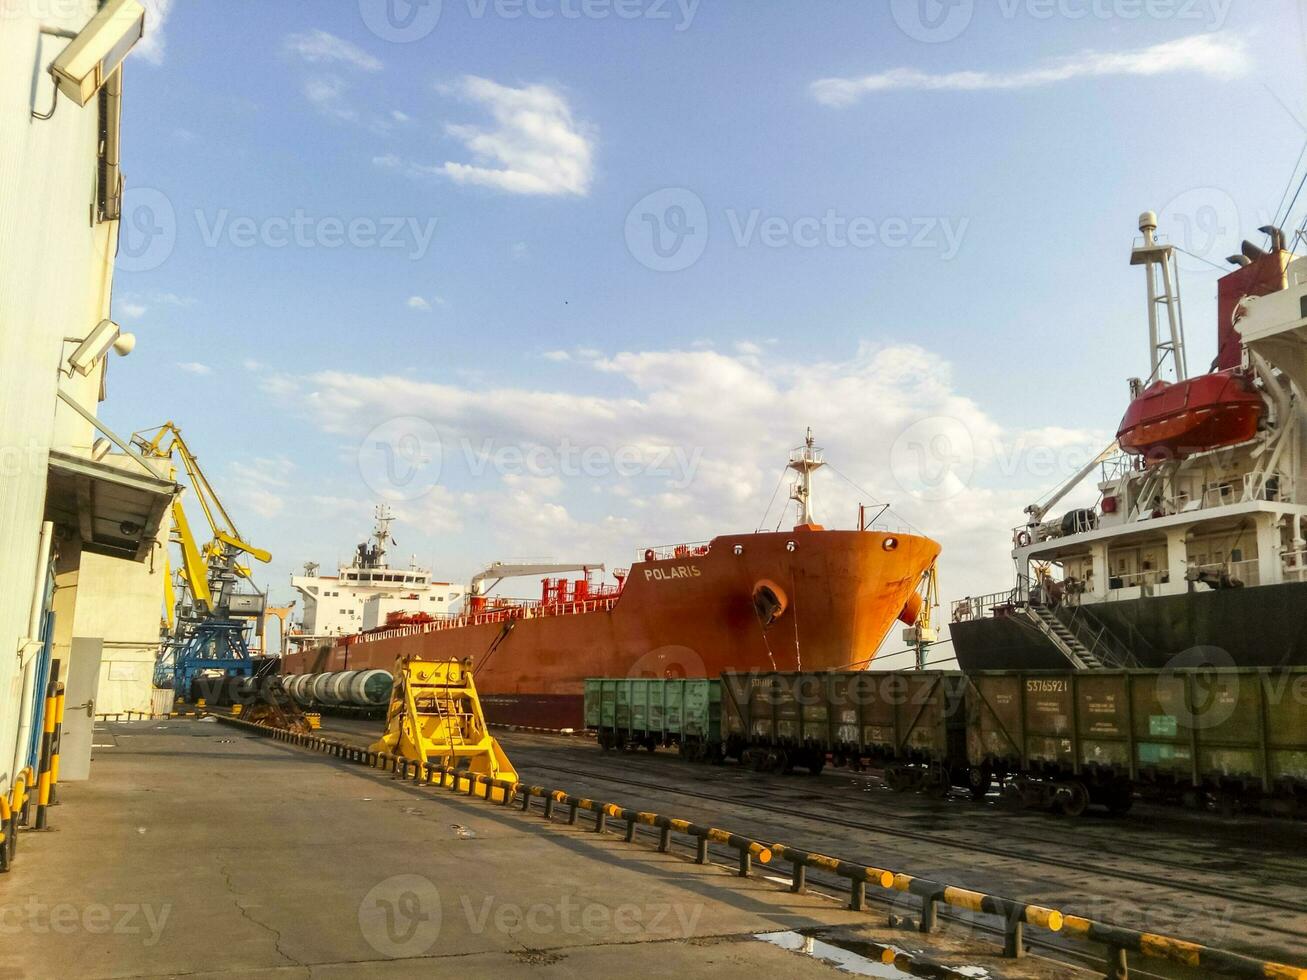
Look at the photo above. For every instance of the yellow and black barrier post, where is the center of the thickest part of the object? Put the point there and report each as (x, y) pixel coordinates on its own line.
(47, 748)
(58, 741)
(857, 874)
(746, 847)
(1120, 942)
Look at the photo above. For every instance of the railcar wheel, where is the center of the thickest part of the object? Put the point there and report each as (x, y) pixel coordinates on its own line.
(816, 763)
(1012, 796)
(1119, 799)
(937, 783)
(605, 740)
(979, 782)
(1072, 799)
(897, 780)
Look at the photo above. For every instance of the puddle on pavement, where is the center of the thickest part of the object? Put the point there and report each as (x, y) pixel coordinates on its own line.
(869, 960)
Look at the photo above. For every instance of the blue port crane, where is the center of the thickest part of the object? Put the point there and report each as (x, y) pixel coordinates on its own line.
(208, 611)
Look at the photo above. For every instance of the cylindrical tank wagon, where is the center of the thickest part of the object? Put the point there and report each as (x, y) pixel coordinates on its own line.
(342, 689)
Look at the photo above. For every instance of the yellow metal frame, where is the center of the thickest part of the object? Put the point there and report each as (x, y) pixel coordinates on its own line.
(166, 441)
(435, 717)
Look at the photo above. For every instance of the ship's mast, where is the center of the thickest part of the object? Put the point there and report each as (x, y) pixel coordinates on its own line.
(1158, 260)
(805, 461)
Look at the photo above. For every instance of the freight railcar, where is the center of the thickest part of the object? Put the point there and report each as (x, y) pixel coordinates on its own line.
(1060, 739)
(684, 713)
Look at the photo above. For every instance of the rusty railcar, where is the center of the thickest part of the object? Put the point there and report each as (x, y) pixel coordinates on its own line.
(1069, 739)
(910, 723)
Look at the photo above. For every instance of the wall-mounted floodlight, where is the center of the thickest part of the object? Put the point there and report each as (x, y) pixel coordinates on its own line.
(94, 346)
(98, 49)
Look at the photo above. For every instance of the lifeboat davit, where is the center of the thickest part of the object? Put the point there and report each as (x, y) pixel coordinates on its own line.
(1172, 421)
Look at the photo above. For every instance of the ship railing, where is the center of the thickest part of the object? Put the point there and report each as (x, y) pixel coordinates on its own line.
(986, 606)
(1295, 566)
(525, 609)
(690, 549)
(1269, 486)
(1247, 571)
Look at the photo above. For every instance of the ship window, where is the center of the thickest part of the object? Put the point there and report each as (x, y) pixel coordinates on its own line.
(1302, 305)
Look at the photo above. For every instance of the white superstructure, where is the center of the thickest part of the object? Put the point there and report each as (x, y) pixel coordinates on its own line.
(367, 591)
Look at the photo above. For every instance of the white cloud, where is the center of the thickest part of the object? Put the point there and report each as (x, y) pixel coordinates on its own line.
(398, 116)
(1214, 55)
(132, 309)
(317, 47)
(557, 355)
(259, 485)
(171, 299)
(419, 304)
(195, 367)
(327, 94)
(534, 147)
(152, 44)
(712, 431)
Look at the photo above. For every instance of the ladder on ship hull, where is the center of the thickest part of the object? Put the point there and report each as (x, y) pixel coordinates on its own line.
(1059, 634)
(1082, 640)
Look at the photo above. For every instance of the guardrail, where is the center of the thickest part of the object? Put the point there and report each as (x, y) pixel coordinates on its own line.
(1016, 915)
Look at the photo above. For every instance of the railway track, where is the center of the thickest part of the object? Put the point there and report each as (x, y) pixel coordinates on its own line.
(1256, 935)
(941, 840)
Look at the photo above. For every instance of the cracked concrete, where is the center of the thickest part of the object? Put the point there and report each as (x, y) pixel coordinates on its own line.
(248, 857)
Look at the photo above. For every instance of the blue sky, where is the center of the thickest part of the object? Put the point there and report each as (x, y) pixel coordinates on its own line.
(892, 221)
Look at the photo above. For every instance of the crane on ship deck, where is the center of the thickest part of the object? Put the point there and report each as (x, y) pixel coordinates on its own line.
(208, 612)
(496, 572)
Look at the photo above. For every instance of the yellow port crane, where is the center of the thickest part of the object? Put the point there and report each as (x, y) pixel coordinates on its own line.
(204, 631)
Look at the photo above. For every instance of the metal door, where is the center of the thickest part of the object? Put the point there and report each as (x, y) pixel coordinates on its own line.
(80, 690)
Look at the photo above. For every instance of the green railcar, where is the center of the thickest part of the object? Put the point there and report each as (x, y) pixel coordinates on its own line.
(684, 713)
(1235, 735)
(910, 723)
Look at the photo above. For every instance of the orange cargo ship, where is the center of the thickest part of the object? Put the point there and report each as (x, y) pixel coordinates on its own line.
(810, 599)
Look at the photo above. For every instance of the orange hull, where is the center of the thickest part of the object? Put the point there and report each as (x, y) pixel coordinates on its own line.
(691, 616)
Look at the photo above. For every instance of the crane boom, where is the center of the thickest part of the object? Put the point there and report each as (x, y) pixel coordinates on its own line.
(1037, 511)
(498, 571)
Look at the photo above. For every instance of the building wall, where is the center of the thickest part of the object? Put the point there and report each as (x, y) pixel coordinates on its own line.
(57, 268)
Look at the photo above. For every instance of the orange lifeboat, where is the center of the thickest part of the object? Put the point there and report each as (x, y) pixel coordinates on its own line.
(1172, 421)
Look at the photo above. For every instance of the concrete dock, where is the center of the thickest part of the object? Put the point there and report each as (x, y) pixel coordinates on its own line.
(201, 850)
